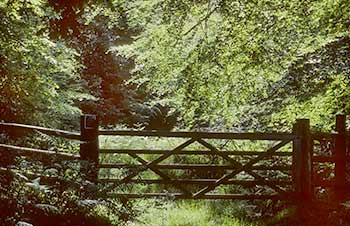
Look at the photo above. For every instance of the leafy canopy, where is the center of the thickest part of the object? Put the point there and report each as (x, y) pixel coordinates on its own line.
(215, 60)
(40, 78)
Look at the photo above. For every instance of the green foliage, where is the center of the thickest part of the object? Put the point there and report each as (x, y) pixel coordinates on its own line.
(91, 28)
(39, 77)
(217, 64)
(28, 193)
(213, 61)
(318, 85)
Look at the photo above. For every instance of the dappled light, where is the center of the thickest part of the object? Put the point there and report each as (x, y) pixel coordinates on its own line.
(174, 113)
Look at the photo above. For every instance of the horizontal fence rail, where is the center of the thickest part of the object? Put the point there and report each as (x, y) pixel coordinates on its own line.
(248, 183)
(47, 131)
(203, 167)
(204, 135)
(190, 152)
(24, 151)
(208, 196)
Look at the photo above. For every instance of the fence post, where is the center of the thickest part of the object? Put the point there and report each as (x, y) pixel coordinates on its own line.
(89, 147)
(340, 157)
(302, 162)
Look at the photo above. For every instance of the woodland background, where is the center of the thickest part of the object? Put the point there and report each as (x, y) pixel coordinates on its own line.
(218, 65)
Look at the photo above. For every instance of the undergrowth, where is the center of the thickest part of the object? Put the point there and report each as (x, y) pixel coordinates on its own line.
(72, 199)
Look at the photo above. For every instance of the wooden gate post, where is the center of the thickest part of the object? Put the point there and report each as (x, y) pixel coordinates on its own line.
(302, 162)
(89, 147)
(340, 157)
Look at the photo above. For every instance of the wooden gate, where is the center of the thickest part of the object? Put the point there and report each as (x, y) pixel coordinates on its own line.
(205, 185)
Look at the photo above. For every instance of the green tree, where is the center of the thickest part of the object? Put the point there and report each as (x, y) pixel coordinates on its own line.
(40, 79)
(215, 60)
(91, 28)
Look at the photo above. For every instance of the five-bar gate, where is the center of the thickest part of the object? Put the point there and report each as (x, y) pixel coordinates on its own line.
(251, 169)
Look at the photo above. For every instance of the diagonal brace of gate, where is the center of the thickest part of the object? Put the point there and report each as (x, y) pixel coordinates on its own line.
(161, 174)
(157, 160)
(245, 167)
(237, 164)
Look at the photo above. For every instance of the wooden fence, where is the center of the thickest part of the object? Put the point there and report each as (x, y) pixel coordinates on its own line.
(304, 151)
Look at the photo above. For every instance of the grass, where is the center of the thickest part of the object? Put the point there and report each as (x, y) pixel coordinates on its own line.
(161, 212)
(185, 213)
